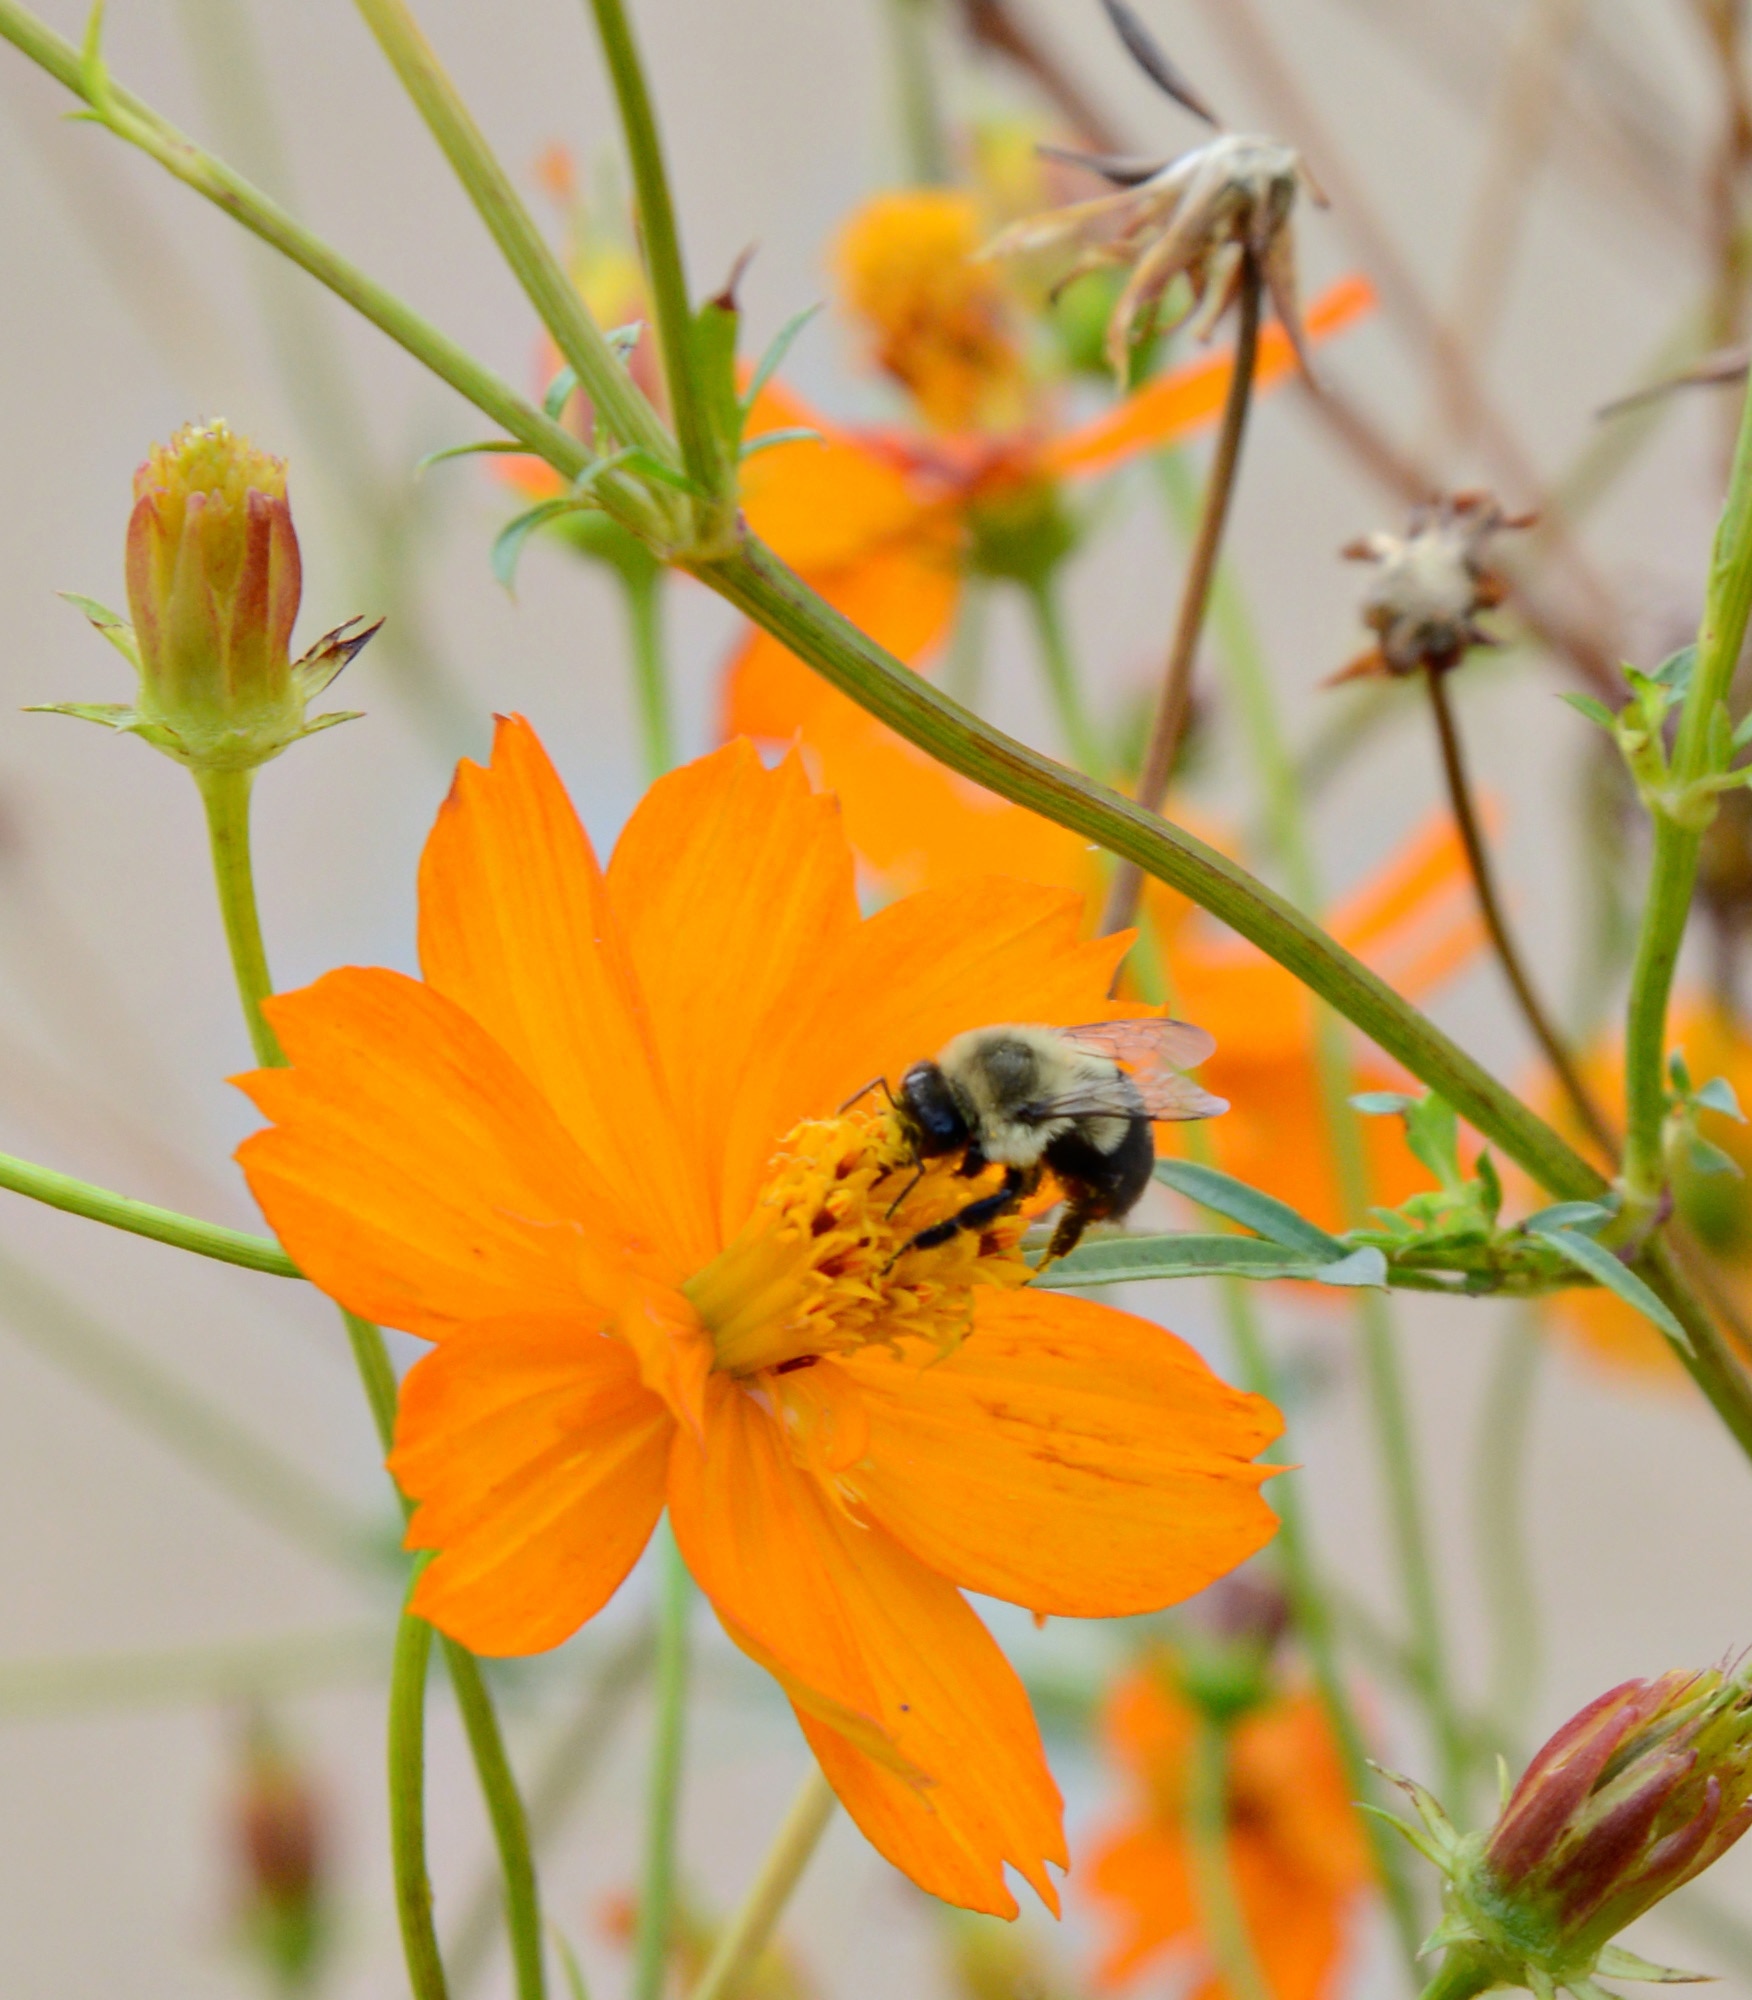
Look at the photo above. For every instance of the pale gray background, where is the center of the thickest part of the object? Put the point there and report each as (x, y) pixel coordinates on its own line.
(127, 307)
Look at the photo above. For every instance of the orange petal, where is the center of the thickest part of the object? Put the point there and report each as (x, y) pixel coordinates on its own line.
(516, 928)
(538, 1460)
(896, 988)
(1297, 1925)
(1185, 399)
(920, 1724)
(821, 505)
(731, 883)
(1144, 1875)
(412, 1170)
(1066, 1457)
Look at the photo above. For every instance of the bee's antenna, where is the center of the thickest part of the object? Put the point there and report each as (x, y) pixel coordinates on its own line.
(875, 1083)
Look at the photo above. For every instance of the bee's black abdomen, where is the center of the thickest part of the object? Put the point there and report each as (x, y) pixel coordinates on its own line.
(1097, 1184)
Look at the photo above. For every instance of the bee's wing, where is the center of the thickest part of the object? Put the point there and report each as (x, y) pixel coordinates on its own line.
(1154, 1050)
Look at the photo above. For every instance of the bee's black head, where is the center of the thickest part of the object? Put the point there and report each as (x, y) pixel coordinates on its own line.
(933, 1119)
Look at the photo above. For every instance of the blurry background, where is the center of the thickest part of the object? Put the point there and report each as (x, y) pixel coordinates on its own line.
(1551, 176)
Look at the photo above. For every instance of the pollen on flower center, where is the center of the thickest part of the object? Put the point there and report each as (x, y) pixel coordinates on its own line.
(821, 1266)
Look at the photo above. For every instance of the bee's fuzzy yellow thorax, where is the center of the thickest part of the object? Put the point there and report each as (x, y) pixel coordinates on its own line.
(821, 1266)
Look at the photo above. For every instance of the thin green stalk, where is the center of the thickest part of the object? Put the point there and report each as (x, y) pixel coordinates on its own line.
(1460, 1978)
(744, 1938)
(924, 149)
(612, 391)
(670, 306)
(225, 794)
(561, 1777)
(1505, 1431)
(144, 1218)
(964, 669)
(407, 1803)
(510, 1824)
(644, 596)
(1222, 1920)
(656, 1917)
(1679, 832)
(204, 1436)
(203, 1676)
(1294, 1555)
(1063, 682)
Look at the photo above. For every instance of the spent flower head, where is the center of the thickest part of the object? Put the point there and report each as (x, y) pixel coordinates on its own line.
(279, 1838)
(1430, 585)
(214, 580)
(1630, 1799)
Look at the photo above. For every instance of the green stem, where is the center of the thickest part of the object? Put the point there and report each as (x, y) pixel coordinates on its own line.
(144, 1218)
(612, 391)
(1505, 1430)
(1295, 1559)
(745, 1936)
(407, 1804)
(964, 670)
(644, 596)
(662, 239)
(560, 1779)
(1174, 703)
(202, 1434)
(1679, 834)
(1063, 682)
(657, 1891)
(1222, 1920)
(510, 1824)
(1461, 1977)
(225, 794)
(924, 151)
(203, 1676)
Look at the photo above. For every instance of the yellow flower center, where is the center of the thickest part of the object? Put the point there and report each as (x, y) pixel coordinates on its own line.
(823, 1265)
(942, 324)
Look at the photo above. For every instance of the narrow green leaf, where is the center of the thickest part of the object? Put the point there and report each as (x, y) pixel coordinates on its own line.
(1703, 1158)
(508, 543)
(1490, 1181)
(1116, 1260)
(1676, 669)
(1367, 1266)
(1249, 1206)
(1382, 1103)
(469, 451)
(1584, 1215)
(559, 392)
(777, 348)
(1743, 734)
(1594, 709)
(1718, 1095)
(713, 345)
(569, 1965)
(1599, 1263)
(797, 434)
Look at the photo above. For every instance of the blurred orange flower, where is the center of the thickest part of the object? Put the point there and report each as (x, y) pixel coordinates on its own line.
(1296, 1853)
(1718, 1207)
(593, 1154)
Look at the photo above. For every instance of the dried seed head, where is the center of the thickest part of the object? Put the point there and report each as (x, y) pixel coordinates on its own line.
(1430, 585)
(1203, 216)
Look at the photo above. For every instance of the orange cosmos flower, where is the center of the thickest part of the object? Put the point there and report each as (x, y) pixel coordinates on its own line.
(594, 1155)
(1296, 1853)
(1717, 1206)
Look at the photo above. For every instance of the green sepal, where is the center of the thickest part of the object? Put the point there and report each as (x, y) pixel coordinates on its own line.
(1617, 1963)
(328, 721)
(335, 651)
(109, 624)
(1251, 1207)
(112, 714)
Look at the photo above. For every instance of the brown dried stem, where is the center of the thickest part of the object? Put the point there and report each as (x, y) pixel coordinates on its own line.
(1495, 922)
(1168, 726)
(994, 25)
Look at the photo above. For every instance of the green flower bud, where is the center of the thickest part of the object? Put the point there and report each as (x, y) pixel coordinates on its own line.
(1626, 1803)
(214, 580)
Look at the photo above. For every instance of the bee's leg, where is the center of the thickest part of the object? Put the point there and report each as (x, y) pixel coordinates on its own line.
(905, 1191)
(973, 1162)
(1067, 1235)
(974, 1216)
(875, 1083)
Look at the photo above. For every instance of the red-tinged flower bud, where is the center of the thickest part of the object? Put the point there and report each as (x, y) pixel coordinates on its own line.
(278, 1838)
(214, 579)
(1627, 1802)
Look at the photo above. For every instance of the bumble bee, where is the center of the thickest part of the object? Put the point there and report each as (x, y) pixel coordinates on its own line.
(1034, 1100)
